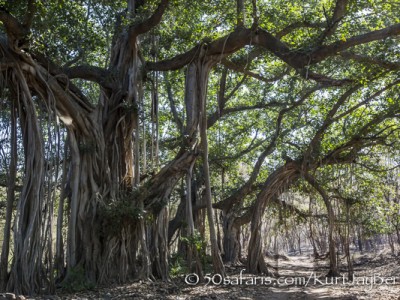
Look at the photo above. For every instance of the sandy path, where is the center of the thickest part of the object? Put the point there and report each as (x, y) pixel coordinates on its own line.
(291, 284)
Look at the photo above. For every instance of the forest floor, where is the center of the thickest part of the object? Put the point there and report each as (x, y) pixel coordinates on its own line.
(377, 276)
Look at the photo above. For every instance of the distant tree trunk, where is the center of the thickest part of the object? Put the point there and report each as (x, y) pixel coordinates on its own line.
(347, 243)
(397, 227)
(299, 242)
(189, 201)
(333, 268)
(12, 175)
(178, 221)
(359, 239)
(391, 243)
(311, 230)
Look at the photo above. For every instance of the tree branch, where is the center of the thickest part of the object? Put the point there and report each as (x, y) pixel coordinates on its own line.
(294, 58)
(357, 142)
(291, 208)
(297, 25)
(215, 116)
(329, 50)
(314, 146)
(16, 32)
(253, 145)
(177, 120)
(300, 60)
(235, 67)
(376, 94)
(151, 22)
(219, 48)
(370, 60)
(91, 73)
(228, 203)
(338, 14)
(30, 13)
(173, 63)
(323, 79)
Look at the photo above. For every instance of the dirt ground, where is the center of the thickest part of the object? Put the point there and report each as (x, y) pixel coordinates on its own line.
(377, 276)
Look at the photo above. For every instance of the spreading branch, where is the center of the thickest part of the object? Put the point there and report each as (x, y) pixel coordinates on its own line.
(235, 67)
(296, 25)
(338, 14)
(331, 49)
(151, 22)
(30, 13)
(297, 59)
(174, 111)
(91, 73)
(393, 66)
(228, 203)
(314, 146)
(219, 48)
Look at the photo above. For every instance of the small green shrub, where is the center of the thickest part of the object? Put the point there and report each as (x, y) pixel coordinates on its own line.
(197, 241)
(119, 214)
(76, 281)
(178, 265)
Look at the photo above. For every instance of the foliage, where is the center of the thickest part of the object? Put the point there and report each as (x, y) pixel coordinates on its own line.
(178, 265)
(76, 281)
(196, 241)
(120, 214)
(294, 89)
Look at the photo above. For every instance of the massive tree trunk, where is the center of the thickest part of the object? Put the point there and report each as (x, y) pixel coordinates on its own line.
(104, 167)
(32, 237)
(231, 239)
(25, 276)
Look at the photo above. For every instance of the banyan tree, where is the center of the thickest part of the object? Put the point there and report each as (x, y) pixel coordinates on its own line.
(111, 107)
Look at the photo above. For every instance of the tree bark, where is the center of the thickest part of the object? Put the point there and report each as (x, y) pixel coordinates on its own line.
(333, 268)
(216, 257)
(28, 247)
(279, 180)
(240, 12)
(12, 175)
(159, 250)
(347, 243)
(231, 240)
